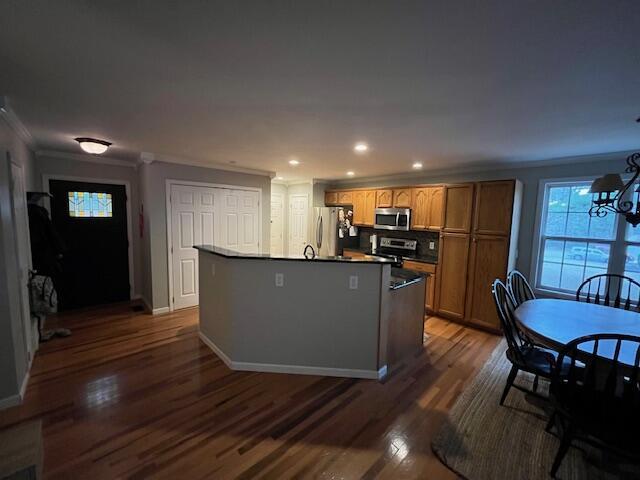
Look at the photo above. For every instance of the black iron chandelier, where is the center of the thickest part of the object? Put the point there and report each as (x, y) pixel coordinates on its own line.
(610, 193)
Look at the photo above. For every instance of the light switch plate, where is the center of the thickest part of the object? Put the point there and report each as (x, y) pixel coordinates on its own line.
(279, 279)
(432, 245)
(353, 282)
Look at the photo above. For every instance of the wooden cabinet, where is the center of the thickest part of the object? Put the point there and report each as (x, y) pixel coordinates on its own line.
(369, 207)
(436, 210)
(430, 294)
(420, 208)
(451, 284)
(402, 198)
(345, 198)
(353, 253)
(330, 198)
(493, 208)
(458, 204)
(426, 208)
(487, 261)
(358, 207)
(384, 198)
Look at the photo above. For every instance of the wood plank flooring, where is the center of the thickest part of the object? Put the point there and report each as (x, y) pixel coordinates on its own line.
(130, 395)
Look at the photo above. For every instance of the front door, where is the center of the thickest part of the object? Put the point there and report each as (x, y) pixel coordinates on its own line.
(91, 218)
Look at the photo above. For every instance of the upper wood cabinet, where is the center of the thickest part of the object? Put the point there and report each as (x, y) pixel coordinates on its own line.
(402, 198)
(436, 210)
(369, 207)
(345, 198)
(420, 198)
(330, 198)
(494, 206)
(458, 204)
(487, 261)
(359, 207)
(384, 198)
(451, 285)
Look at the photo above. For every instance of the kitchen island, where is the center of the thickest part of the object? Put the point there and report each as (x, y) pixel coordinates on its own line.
(336, 316)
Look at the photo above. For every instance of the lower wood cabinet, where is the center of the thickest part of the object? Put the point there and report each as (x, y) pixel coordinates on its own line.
(352, 253)
(487, 261)
(451, 283)
(430, 294)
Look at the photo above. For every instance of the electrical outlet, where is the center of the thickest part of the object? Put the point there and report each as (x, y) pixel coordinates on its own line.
(432, 245)
(353, 282)
(279, 279)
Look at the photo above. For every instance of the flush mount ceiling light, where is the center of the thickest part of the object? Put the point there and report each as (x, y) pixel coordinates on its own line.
(92, 145)
(350, 173)
(293, 162)
(361, 147)
(279, 178)
(416, 165)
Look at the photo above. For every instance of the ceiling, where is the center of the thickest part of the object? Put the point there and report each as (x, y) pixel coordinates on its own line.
(257, 83)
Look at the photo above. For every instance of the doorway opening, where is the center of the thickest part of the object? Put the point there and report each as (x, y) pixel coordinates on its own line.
(92, 221)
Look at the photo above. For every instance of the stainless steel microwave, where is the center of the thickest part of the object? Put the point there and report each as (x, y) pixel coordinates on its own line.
(392, 218)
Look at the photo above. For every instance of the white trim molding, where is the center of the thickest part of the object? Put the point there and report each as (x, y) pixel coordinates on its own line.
(109, 181)
(15, 123)
(18, 398)
(292, 369)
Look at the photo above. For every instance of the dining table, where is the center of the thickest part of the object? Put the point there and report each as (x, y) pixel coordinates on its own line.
(554, 323)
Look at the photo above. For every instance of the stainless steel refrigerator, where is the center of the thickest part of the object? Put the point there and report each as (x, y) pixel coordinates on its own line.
(333, 230)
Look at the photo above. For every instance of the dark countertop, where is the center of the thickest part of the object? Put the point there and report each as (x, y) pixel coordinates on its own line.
(223, 252)
(407, 257)
(401, 277)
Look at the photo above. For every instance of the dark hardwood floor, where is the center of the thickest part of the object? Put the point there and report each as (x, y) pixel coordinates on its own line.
(130, 395)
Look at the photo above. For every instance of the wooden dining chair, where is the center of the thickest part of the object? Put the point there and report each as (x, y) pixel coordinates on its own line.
(611, 290)
(522, 354)
(519, 287)
(596, 398)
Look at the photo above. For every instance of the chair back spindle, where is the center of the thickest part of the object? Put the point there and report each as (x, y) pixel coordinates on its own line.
(610, 290)
(519, 287)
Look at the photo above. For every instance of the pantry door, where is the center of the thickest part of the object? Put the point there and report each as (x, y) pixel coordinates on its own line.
(193, 218)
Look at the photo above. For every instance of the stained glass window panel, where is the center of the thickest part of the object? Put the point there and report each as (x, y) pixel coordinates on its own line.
(90, 204)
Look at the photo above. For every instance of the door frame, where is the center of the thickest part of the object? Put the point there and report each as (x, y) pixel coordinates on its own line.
(283, 210)
(107, 181)
(168, 184)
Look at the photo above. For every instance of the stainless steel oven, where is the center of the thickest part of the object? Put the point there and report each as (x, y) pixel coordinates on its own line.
(392, 218)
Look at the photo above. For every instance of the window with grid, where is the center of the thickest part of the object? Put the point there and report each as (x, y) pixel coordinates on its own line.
(573, 245)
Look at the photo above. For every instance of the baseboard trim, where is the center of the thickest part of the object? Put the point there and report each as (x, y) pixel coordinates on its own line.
(160, 311)
(18, 398)
(294, 369)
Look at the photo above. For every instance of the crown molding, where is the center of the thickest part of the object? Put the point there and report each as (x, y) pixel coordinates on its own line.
(486, 167)
(15, 123)
(86, 157)
(215, 166)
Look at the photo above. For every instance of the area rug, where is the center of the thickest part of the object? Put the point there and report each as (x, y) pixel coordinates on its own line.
(481, 440)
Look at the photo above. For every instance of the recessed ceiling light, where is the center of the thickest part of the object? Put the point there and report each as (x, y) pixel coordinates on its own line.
(293, 162)
(417, 165)
(360, 147)
(350, 173)
(92, 145)
(279, 178)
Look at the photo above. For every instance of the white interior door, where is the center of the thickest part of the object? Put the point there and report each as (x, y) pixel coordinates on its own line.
(277, 224)
(298, 221)
(192, 223)
(239, 220)
(21, 229)
(248, 221)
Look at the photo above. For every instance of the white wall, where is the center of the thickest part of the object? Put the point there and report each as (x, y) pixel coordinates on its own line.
(14, 360)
